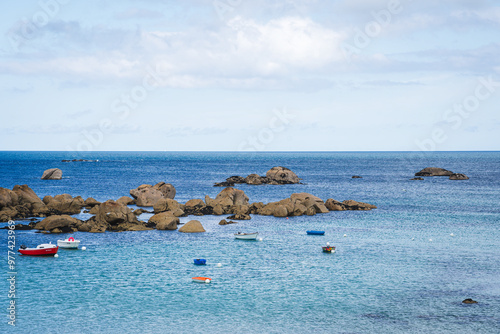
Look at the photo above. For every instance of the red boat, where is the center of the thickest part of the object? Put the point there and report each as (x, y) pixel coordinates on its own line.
(40, 250)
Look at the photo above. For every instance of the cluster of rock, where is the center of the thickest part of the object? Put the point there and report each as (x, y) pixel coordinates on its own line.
(147, 195)
(275, 176)
(435, 171)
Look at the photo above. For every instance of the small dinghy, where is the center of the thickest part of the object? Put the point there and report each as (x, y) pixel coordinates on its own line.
(40, 250)
(202, 279)
(328, 249)
(69, 243)
(246, 236)
(315, 232)
(200, 262)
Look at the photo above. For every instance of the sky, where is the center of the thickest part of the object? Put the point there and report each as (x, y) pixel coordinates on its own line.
(241, 75)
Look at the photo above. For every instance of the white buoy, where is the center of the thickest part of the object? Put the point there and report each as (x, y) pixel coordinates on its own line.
(84, 248)
(219, 265)
(452, 235)
(345, 235)
(328, 244)
(260, 239)
(56, 255)
(430, 239)
(207, 281)
(412, 239)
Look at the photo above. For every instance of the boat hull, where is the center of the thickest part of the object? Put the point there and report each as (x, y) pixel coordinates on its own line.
(315, 232)
(247, 236)
(68, 244)
(202, 279)
(39, 251)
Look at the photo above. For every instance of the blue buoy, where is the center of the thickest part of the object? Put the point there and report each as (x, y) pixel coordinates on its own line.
(200, 261)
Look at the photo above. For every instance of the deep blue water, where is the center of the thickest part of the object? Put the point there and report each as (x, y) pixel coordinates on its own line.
(387, 276)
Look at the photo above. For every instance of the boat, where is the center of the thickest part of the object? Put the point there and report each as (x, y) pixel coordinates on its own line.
(246, 236)
(200, 261)
(202, 279)
(328, 249)
(69, 243)
(40, 250)
(315, 232)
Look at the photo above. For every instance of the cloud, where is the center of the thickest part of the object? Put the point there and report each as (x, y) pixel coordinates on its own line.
(138, 13)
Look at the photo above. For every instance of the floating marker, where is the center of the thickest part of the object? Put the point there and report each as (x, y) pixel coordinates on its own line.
(412, 239)
(56, 255)
(328, 244)
(345, 235)
(207, 281)
(452, 235)
(219, 265)
(84, 248)
(260, 239)
(430, 239)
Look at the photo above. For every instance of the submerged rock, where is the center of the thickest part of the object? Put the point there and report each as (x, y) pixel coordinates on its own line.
(192, 226)
(458, 176)
(469, 301)
(356, 177)
(434, 171)
(417, 178)
(52, 174)
(241, 216)
(225, 222)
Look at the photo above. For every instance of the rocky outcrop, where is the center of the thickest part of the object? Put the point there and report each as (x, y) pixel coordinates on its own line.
(125, 200)
(276, 175)
(434, 171)
(20, 202)
(52, 174)
(356, 177)
(64, 204)
(458, 176)
(192, 226)
(334, 205)
(240, 216)
(225, 222)
(469, 301)
(164, 221)
(112, 216)
(59, 224)
(417, 178)
(148, 195)
(228, 197)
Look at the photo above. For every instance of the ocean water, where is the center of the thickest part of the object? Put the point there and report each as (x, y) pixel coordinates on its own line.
(386, 276)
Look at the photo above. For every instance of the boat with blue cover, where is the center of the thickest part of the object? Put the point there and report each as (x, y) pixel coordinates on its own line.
(315, 232)
(200, 261)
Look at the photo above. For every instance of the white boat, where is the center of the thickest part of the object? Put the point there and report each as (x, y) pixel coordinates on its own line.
(68, 243)
(246, 236)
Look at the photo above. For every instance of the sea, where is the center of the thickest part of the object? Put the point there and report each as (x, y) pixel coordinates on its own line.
(404, 267)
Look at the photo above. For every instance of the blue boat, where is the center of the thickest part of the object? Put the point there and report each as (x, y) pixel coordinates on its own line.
(315, 232)
(200, 261)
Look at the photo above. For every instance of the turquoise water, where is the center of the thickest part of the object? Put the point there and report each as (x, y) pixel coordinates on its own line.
(386, 276)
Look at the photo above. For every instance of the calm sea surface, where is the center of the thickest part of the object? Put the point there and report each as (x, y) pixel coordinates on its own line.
(387, 275)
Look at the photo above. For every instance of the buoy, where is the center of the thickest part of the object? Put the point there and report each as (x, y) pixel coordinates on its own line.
(71, 239)
(84, 248)
(328, 244)
(345, 235)
(260, 239)
(412, 239)
(430, 239)
(452, 235)
(56, 255)
(219, 265)
(286, 217)
(207, 281)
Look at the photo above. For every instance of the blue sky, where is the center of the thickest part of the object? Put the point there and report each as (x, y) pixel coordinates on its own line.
(230, 75)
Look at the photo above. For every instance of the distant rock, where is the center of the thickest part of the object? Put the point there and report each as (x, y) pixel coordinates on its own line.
(192, 226)
(354, 205)
(276, 175)
(282, 175)
(434, 171)
(255, 179)
(469, 301)
(148, 195)
(458, 176)
(417, 178)
(225, 222)
(356, 177)
(240, 217)
(52, 174)
(78, 160)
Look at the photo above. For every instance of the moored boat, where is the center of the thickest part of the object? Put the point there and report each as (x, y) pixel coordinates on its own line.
(246, 236)
(329, 249)
(202, 279)
(312, 232)
(40, 250)
(200, 261)
(69, 243)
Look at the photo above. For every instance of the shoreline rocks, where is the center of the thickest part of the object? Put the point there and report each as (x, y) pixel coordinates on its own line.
(52, 174)
(274, 176)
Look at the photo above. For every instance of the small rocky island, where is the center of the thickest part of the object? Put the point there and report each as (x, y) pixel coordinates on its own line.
(52, 174)
(22, 202)
(435, 171)
(276, 175)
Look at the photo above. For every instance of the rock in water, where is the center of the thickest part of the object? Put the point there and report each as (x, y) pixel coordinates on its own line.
(434, 171)
(164, 221)
(282, 175)
(148, 195)
(417, 178)
(192, 226)
(62, 223)
(357, 177)
(458, 176)
(52, 174)
(469, 301)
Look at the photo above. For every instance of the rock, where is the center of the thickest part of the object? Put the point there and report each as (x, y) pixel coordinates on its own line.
(458, 176)
(225, 222)
(236, 179)
(166, 204)
(310, 211)
(228, 197)
(354, 205)
(90, 202)
(223, 184)
(28, 203)
(147, 195)
(254, 179)
(125, 200)
(63, 223)
(218, 210)
(280, 211)
(192, 226)
(309, 200)
(282, 175)
(195, 203)
(469, 301)
(112, 216)
(164, 221)
(334, 205)
(417, 178)
(434, 171)
(139, 212)
(52, 174)
(357, 177)
(8, 198)
(240, 217)
(64, 204)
